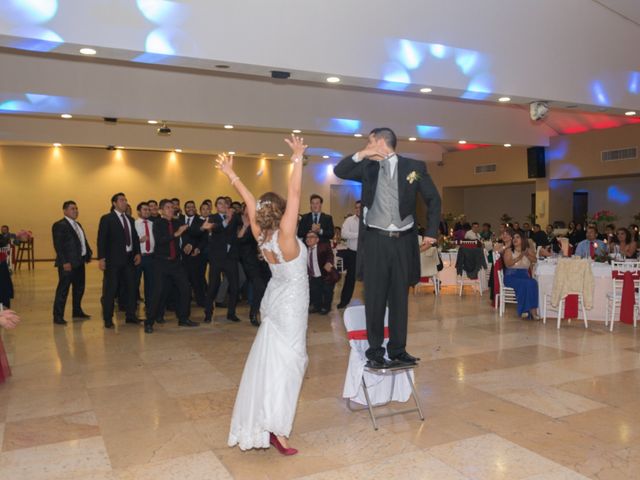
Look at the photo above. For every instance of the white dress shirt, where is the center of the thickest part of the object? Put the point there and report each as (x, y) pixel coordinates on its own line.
(350, 230)
(471, 235)
(140, 229)
(315, 267)
(393, 162)
(80, 233)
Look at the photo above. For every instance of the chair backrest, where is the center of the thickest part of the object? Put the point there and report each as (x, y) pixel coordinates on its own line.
(618, 270)
(355, 321)
(469, 244)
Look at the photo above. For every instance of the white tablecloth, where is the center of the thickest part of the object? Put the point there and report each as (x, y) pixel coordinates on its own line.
(545, 271)
(448, 275)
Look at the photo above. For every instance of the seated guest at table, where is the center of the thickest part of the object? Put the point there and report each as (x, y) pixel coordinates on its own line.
(539, 237)
(526, 230)
(504, 241)
(578, 235)
(628, 246)
(5, 236)
(516, 227)
(459, 233)
(551, 236)
(337, 237)
(591, 246)
(486, 233)
(635, 233)
(517, 260)
(610, 233)
(474, 233)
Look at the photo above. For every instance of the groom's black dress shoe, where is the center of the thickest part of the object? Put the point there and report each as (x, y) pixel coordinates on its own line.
(406, 359)
(380, 363)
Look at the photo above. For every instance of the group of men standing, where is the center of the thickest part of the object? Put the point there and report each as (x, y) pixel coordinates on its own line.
(170, 250)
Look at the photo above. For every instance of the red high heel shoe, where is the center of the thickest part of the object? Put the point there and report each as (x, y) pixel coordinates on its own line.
(273, 440)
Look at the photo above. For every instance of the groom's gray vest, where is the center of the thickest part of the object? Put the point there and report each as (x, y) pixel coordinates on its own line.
(386, 207)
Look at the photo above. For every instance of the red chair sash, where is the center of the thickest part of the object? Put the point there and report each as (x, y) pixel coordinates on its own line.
(362, 334)
(628, 298)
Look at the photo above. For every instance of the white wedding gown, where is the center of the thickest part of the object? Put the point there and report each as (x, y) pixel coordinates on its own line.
(272, 377)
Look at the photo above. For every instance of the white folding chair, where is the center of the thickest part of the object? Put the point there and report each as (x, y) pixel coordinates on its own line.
(505, 295)
(618, 269)
(373, 388)
(462, 280)
(428, 270)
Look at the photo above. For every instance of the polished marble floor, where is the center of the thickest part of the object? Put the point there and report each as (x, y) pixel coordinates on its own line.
(503, 398)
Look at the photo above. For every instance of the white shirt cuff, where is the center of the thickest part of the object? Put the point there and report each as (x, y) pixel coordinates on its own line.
(355, 157)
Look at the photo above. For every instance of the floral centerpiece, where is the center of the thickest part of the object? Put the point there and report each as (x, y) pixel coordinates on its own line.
(602, 216)
(24, 235)
(601, 258)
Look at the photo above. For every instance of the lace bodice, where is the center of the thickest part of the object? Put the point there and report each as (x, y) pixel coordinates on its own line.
(293, 269)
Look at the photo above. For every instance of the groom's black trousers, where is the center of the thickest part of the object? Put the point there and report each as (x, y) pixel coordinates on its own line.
(386, 281)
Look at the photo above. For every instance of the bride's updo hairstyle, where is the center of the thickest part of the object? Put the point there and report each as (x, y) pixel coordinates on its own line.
(269, 211)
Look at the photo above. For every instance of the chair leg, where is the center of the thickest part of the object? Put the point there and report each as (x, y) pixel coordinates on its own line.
(584, 311)
(560, 311)
(461, 285)
(497, 302)
(480, 286)
(415, 395)
(544, 309)
(366, 395)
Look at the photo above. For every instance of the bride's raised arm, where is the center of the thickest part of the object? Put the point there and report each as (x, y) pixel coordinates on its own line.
(289, 221)
(225, 164)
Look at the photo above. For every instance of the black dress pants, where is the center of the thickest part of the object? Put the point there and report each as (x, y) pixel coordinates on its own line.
(228, 266)
(251, 269)
(320, 293)
(169, 275)
(349, 264)
(119, 276)
(74, 278)
(386, 282)
(193, 265)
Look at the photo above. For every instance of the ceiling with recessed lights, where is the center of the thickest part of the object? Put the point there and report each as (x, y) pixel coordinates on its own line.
(438, 72)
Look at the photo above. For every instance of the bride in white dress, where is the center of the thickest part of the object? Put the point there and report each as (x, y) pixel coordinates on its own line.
(266, 402)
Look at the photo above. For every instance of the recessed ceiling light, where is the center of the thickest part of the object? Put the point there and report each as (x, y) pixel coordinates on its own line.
(57, 144)
(178, 150)
(333, 79)
(281, 154)
(66, 115)
(231, 153)
(504, 99)
(426, 90)
(630, 113)
(357, 135)
(412, 139)
(228, 127)
(88, 51)
(507, 145)
(296, 131)
(152, 122)
(462, 142)
(325, 156)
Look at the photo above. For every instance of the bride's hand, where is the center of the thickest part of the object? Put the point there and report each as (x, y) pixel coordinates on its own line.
(225, 163)
(297, 146)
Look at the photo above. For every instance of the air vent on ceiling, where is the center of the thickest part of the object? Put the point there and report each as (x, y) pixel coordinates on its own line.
(630, 153)
(488, 168)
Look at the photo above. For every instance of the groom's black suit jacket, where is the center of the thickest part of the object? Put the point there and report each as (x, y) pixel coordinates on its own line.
(366, 171)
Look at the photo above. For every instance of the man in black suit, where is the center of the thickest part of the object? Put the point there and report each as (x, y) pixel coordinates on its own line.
(248, 254)
(191, 251)
(388, 251)
(167, 269)
(223, 257)
(118, 255)
(316, 221)
(72, 252)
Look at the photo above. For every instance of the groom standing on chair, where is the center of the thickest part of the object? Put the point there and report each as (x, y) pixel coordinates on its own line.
(388, 252)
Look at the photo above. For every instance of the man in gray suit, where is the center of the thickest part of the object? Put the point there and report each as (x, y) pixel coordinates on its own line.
(388, 251)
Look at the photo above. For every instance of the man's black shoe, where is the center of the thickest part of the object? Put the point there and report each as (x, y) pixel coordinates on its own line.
(148, 328)
(207, 319)
(59, 321)
(341, 306)
(81, 315)
(381, 363)
(407, 359)
(133, 320)
(233, 318)
(313, 310)
(188, 323)
(254, 320)
(324, 311)
(109, 325)
(161, 320)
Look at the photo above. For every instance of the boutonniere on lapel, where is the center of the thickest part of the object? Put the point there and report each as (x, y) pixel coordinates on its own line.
(413, 176)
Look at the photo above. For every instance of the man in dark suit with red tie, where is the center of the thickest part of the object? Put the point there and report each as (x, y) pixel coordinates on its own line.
(72, 252)
(167, 269)
(118, 255)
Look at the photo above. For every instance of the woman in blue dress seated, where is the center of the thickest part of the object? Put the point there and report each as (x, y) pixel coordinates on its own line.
(517, 260)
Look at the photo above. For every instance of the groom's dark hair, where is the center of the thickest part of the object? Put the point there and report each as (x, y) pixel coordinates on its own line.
(386, 134)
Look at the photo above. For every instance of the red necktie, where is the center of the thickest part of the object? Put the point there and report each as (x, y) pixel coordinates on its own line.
(127, 232)
(592, 250)
(172, 246)
(147, 243)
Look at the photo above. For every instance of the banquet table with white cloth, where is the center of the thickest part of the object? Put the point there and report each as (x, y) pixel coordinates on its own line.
(545, 271)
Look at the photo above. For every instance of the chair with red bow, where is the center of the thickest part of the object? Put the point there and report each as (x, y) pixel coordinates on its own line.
(625, 279)
(369, 387)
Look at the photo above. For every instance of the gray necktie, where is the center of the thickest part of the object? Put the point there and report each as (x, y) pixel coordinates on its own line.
(385, 165)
